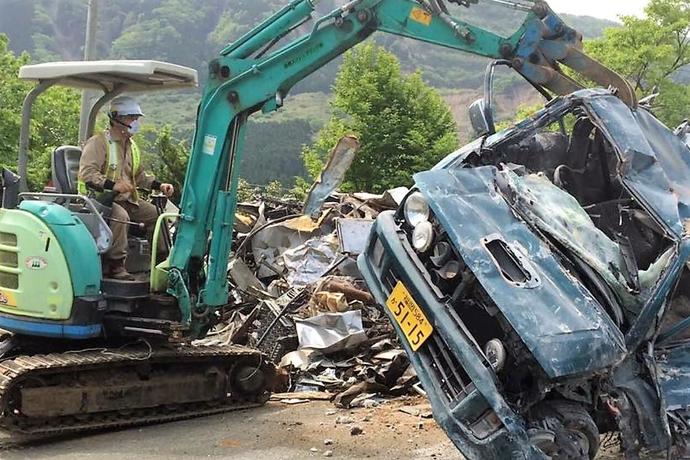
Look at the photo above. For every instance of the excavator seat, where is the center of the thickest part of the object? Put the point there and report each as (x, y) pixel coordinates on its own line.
(9, 189)
(65, 167)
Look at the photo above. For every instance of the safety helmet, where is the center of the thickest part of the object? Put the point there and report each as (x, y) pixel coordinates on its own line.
(123, 106)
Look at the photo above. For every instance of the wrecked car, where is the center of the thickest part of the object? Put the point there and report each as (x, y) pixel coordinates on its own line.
(538, 279)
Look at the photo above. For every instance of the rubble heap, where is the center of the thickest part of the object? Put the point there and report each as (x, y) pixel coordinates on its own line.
(301, 300)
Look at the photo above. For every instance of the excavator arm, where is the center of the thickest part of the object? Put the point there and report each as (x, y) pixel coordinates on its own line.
(250, 75)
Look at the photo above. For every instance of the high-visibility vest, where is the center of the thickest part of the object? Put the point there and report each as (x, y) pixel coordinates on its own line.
(111, 168)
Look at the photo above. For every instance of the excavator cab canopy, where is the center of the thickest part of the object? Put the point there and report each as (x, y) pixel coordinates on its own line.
(112, 77)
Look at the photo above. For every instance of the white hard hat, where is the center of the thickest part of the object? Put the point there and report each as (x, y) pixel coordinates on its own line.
(125, 105)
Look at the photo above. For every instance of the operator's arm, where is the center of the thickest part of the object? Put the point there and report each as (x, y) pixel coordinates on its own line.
(146, 180)
(92, 162)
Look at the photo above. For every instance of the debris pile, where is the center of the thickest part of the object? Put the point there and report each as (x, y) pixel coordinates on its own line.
(299, 298)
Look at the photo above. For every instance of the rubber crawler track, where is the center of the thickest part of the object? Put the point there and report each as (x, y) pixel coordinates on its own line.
(17, 370)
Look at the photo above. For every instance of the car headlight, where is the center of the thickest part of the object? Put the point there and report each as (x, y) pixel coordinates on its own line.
(423, 236)
(416, 209)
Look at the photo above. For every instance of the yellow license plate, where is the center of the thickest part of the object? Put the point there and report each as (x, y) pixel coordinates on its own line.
(409, 316)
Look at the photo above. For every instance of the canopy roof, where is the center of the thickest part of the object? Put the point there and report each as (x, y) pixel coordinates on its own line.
(106, 75)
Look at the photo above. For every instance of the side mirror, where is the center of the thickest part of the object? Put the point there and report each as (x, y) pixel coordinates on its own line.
(481, 119)
(482, 111)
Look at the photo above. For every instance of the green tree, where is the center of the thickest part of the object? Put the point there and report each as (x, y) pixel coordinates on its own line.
(649, 52)
(272, 151)
(161, 31)
(245, 191)
(54, 120)
(59, 30)
(403, 125)
(165, 157)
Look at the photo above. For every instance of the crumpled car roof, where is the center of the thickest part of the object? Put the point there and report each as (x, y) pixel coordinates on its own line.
(655, 162)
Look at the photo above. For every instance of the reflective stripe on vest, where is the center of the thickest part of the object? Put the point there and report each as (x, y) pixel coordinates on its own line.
(136, 159)
(111, 169)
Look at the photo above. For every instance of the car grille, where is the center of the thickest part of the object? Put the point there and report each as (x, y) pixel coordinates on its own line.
(447, 370)
(449, 373)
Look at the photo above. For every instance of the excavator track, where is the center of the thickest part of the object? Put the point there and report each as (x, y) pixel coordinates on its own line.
(46, 395)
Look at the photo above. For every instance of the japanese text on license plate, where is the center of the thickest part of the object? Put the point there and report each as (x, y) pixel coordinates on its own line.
(409, 316)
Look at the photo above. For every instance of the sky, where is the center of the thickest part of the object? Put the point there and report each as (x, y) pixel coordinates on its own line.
(607, 9)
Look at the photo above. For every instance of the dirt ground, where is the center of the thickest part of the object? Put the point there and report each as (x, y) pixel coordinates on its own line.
(275, 431)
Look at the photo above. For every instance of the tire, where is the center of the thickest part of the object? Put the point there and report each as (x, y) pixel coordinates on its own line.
(681, 437)
(563, 430)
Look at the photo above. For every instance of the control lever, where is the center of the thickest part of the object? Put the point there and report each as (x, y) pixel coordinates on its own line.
(138, 225)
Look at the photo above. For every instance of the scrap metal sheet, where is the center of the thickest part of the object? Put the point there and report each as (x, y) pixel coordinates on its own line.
(331, 332)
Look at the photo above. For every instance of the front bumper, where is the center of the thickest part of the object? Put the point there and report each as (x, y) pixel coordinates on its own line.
(459, 382)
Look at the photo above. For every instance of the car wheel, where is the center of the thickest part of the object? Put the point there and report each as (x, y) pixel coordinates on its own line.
(563, 430)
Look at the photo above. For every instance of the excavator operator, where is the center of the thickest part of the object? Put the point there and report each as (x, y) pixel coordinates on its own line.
(111, 161)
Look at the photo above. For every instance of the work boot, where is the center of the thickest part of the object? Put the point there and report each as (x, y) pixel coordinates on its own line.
(119, 272)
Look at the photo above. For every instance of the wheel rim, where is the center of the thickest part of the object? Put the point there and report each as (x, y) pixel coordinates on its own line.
(545, 440)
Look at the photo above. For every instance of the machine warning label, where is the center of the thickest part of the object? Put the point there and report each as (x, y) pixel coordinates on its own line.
(209, 147)
(420, 16)
(36, 263)
(7, 299)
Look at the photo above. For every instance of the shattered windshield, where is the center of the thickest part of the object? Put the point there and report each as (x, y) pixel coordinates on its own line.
(559, 214)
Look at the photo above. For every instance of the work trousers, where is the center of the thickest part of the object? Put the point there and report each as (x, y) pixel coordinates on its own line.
(143, 212)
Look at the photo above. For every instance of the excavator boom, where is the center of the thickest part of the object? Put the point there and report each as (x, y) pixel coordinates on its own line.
(253, 74)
